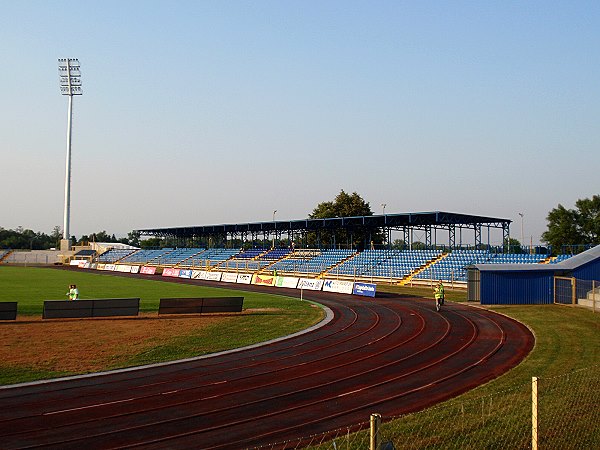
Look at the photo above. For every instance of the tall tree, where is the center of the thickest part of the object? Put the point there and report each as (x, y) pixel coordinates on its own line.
(574, 227)
(344, 205)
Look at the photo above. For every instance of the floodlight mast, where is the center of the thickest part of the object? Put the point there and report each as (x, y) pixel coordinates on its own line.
(70, 84)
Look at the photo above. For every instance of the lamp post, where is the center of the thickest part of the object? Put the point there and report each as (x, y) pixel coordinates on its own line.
(274, 211)
(70, 85)
(383, 205)
(522, 235)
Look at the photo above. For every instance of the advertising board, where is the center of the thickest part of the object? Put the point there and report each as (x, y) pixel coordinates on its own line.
(339, 286)
(264, 280)
(312, 284)
(364, 289)
(244, 278)
(170, 272)
(287, 282)
(185, 273)
(229, 277)
(148, 270)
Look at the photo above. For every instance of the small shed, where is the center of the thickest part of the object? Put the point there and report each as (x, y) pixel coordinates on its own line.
(527, 284)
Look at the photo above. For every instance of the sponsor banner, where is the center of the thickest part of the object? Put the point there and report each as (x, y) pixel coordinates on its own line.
(199, 274)
(287, 282)
(101, 266)
(185, 273)
(93, 266)
(148, 270)
(123, 268)
(312, 284)
(110, 267)
(74, 262)
(213, 276)
(170, 272)
(263, 280)
(135, 269)
(341, 287)
(244, 278)
(364, 289)
(86, 265)
(229, 277)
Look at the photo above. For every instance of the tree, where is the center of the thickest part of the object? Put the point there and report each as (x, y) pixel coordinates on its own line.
(574, 227)
(344, 205)
(133, 238)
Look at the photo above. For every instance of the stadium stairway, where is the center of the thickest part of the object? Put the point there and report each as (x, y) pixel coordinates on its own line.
(5, 255)
(329, 269)
(407, 279)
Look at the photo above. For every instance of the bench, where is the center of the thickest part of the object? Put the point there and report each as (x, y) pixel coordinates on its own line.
(200, 305)
(8, 310)
(106, 307)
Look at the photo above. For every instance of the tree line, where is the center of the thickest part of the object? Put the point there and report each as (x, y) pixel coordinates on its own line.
(575, 228)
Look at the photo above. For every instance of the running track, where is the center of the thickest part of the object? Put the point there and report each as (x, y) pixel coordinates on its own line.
(389, 355)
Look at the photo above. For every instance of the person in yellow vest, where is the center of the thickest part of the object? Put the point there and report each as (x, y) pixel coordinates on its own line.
(438, 293)
(73, 293)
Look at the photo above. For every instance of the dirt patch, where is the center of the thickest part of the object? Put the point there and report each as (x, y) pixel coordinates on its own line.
(77, 345)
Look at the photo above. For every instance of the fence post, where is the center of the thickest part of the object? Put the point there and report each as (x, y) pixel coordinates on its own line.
(534, 413)
(573, 291)
(375, 423)
(594, 295)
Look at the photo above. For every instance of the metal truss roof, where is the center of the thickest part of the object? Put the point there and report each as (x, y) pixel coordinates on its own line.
(436, 219)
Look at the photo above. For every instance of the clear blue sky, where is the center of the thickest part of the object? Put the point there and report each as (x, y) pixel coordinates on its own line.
(198, 113)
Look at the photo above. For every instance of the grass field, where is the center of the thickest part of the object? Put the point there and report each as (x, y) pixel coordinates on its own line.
(266, 316)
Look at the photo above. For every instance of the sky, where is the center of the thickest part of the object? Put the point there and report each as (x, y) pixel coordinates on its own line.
(212, 112)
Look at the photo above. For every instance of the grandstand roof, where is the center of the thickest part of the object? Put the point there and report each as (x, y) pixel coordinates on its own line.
(439, 219)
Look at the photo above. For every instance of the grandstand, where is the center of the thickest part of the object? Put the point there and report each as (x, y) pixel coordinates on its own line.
(348, 260)
(416, 266)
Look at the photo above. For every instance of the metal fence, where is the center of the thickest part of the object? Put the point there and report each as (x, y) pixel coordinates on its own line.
(560, 412)
(572, 291)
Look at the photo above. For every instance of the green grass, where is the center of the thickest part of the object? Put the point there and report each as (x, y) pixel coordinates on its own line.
(31, 286)
(275, 315)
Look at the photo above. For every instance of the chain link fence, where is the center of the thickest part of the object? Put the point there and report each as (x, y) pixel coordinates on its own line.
(564, 413)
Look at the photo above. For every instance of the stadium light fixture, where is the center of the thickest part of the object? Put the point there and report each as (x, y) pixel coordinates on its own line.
(383, 205)
(70, 85)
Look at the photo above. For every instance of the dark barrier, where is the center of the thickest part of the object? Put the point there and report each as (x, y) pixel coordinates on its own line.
(8, 310)
(200, 305)
(55, 309)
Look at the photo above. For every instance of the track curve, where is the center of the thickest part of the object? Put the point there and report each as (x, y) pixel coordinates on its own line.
(389, 355)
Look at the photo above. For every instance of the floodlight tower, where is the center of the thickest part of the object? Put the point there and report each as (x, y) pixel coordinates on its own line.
(70, 84)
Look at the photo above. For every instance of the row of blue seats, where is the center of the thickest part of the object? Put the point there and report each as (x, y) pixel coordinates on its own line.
(374, 263)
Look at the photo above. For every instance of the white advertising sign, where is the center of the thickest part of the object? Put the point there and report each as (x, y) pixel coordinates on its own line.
(342, 287)
(135, 269)
(244, 278)
(199, 274)
(213, 276)
(110, 267)
(229, 277)
(287, 282)
(312, 284)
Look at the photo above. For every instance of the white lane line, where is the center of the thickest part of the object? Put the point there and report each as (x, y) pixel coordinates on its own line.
(88, 406)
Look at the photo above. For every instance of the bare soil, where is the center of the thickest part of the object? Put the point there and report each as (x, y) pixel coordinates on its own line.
(86, 345)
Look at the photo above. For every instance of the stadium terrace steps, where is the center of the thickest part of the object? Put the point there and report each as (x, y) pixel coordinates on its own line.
(4, 254)
(418, 270)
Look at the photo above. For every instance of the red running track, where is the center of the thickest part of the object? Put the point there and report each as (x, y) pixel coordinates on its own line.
(389, 355)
